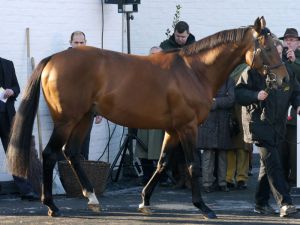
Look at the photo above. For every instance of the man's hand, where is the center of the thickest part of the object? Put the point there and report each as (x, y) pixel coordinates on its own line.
(8, 93)
(262, 95)
(290, 54)
(98, 119)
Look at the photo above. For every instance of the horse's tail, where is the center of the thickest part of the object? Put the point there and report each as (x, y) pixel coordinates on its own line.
(18, 152)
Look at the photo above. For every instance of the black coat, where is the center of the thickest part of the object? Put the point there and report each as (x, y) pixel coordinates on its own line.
(11, 82)
(214, 132)
(268, 117)
(172, 44)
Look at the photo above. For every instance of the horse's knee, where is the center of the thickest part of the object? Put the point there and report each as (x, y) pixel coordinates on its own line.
(194, 170)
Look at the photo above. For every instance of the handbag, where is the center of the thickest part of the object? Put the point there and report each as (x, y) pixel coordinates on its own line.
(234, 127)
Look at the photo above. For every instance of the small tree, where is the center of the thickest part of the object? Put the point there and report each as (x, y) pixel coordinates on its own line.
(175, 20)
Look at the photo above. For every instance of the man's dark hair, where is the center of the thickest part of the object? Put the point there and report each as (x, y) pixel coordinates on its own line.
(76, 33)
(182, 26)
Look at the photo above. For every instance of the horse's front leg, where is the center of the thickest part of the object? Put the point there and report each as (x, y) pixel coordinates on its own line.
(170, 141)
(188, 141)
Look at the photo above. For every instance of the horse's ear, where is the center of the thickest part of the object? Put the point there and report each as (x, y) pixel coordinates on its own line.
(259, 24)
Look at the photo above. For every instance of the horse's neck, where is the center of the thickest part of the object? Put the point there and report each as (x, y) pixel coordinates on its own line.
(218, 64)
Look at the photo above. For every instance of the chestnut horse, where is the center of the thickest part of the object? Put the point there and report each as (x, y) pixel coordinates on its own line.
(171, 90)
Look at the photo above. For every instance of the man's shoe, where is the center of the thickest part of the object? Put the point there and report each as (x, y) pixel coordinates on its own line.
(31, 196)
(223, 188)
(209, 189)
(241, 185)
(230, 185)
(266, 210)
(287, 210)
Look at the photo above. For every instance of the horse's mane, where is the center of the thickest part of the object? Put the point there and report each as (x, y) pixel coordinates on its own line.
(214, 40)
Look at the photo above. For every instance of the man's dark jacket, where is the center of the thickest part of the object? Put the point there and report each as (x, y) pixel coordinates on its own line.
(268, 117)
(11, 82)
(172, 44)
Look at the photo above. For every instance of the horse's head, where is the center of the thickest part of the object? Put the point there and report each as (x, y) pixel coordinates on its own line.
(263, 55)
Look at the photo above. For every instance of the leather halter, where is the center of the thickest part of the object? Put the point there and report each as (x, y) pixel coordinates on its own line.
(267, 69)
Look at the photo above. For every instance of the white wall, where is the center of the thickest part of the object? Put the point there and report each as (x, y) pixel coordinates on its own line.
(208, 17)
(51, 23)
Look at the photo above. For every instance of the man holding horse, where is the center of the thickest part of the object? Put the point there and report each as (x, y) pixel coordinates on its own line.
(267, 108)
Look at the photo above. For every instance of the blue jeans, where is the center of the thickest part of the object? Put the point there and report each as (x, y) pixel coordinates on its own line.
(271, 177)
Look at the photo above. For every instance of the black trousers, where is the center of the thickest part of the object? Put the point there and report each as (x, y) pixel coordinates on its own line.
(271, 177)
(23, 184)
(289, 155)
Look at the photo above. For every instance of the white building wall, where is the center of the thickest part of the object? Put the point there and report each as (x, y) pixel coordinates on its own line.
(208, 17)
(51, 23)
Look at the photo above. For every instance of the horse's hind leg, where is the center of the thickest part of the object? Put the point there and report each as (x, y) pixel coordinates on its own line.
(170, 142)
(53, 147)
(188, 141)
(72, 153)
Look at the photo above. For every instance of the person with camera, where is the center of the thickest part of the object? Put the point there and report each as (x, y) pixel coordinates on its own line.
(291, 56)
(267, 108)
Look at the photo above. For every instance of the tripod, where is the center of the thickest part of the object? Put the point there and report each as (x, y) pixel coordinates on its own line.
(126, 146)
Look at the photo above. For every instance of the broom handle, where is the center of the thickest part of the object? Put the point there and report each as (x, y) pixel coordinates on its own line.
(30, 68)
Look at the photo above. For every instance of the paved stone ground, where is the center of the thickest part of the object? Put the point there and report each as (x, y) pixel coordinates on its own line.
(119, 207)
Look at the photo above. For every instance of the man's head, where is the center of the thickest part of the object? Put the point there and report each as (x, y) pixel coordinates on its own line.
(291, 38)
(181, 32)
(77, 39)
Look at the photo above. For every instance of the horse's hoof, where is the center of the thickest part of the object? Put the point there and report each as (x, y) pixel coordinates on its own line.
(146, 210)
(94, 207)
(53, 213)
(210, 215)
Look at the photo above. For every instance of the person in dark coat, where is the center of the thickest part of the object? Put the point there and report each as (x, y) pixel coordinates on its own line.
(267, 108)
(214, 138)
(9, 91)
(180, 38)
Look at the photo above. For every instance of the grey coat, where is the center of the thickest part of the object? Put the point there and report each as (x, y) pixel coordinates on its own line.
(214, 132)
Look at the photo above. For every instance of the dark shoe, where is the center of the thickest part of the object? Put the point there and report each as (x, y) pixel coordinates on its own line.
(209, 189)
(266, 210)
(287, 210)
(31, 196)
(223, 188)
(230, 185)
(241, 185)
